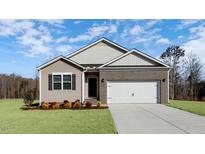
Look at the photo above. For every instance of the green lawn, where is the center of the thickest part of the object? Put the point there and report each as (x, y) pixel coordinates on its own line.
(15, 121)
(194, 107)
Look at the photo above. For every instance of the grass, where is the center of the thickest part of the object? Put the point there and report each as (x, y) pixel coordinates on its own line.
(190, 106)
(15, 121)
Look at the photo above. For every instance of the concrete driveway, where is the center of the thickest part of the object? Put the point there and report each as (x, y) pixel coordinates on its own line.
(155, 119)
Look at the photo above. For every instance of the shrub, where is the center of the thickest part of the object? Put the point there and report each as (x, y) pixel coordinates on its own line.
(99, 104)
(72, 104)
(76, 105)
(88, 104)
(28, 98)
(55, 105)
(67, 105)
(44, 105)
(66, 101)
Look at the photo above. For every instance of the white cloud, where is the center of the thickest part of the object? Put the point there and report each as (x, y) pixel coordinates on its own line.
(151, 23)
(14, 27)
(37, 50)
(61, 39)
(43, 28)
(186, 22)
(136, 30)
(84, 37)
(94, 31)
(113, 29)
(64, 48)
(77, 22)
(197, 44)
(54, 22)
(163, 41)
(180, 37)
(147, 38)
(34, 39)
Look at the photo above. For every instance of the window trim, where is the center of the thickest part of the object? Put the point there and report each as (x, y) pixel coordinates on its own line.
(61, 74)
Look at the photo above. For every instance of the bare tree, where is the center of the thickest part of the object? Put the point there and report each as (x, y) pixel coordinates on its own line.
(15, 86)
(193, 72)
(172, 57)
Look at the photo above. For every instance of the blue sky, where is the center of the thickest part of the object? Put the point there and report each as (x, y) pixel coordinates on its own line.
(25, 44)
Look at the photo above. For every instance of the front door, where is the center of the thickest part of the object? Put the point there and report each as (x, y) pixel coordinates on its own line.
(92, 87)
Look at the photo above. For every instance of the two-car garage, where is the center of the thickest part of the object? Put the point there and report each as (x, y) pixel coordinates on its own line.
(133, 92)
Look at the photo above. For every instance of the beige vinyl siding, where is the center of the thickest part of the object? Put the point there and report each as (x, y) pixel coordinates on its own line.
(133, 59)
(60, 66)
(97, 54)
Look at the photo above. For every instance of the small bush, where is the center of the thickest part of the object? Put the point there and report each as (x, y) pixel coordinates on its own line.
(55, 105)
(77, 105)
(72, 103)
(66, 101)
(88, 104)
(99, 104)
(28, 98)
(44, 105)
(67, 105)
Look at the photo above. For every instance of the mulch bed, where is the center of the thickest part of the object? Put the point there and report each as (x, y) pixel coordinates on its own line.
(81, 108)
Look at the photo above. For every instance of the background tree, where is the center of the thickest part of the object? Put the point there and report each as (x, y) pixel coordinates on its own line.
(15, 86)
(172, 56)
(193, 72)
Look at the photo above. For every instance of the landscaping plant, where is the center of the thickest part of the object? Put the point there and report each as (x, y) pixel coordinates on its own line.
(77, 105)
(45, 105)
(28, 98)
(99, 104)
(67, 105)
(55, 105)
(88, 104)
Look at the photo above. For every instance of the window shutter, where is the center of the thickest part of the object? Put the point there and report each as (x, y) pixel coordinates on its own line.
(49, 81)
(73, 82)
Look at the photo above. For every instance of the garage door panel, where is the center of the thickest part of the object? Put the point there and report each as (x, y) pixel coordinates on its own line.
(132, 92)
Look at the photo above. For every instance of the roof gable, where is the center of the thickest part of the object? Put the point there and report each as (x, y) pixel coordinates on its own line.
(56, 59)
(99, 52)
(134, 58)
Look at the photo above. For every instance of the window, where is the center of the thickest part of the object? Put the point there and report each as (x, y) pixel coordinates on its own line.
(62, 81)
(57, 82)
(67, 82)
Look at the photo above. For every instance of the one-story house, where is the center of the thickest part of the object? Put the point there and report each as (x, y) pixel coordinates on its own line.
(105, 71)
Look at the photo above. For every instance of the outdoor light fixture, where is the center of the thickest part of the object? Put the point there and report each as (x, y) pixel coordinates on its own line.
(102, 80)
(163, 80)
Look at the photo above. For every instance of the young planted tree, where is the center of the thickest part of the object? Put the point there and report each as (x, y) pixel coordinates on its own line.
(172, 56)
(29, 98)
(193, 72)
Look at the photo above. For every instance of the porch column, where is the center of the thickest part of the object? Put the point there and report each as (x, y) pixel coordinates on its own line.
(40, 87)
(82, 87)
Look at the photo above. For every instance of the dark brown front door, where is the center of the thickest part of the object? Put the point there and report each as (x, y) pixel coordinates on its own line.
(92, 87)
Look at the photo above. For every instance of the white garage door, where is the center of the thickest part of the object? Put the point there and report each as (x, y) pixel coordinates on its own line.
(132, 92)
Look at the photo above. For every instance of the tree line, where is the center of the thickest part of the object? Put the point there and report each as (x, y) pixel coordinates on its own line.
(186, 76)
(15, 86)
